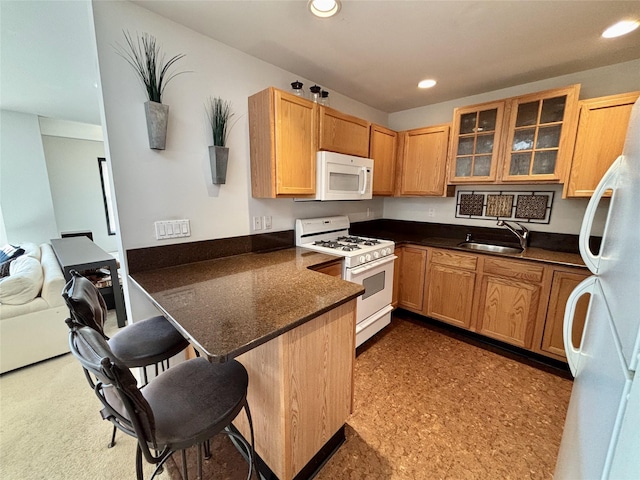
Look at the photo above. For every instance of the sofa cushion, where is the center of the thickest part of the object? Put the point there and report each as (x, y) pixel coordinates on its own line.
(24, 282)
(31, 250)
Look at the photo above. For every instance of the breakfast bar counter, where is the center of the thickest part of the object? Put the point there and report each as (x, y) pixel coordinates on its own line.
(291, 327)
(230, 305)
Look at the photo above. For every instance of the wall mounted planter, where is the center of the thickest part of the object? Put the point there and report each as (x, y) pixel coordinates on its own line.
(157, 118)
(218, 157)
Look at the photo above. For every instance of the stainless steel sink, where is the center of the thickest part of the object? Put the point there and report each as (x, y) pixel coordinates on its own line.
(487, 247)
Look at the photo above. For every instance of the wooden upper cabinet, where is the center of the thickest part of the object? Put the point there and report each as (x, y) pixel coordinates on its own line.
(540, 135)
(475, 143)
(602, 128)
(283, 144)
(383, 148)
(423, 160)
(343, 133)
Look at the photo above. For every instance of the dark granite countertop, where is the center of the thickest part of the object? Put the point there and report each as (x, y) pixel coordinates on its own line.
(230, 305)
(548, 248)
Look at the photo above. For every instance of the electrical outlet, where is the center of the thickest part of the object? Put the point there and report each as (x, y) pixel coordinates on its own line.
(266, 222)
(431, 212)
(257, 223)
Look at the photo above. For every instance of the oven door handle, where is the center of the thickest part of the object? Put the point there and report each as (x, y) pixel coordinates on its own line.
(372, 264)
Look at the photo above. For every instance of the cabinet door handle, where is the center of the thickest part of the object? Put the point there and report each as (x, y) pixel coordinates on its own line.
(609, 181)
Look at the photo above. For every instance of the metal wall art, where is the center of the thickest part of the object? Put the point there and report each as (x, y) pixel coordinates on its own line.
(529, 207)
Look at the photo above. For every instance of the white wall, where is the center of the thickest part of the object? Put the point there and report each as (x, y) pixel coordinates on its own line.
(25, 196)
(566, 214)
(176, 183)
(74, 178)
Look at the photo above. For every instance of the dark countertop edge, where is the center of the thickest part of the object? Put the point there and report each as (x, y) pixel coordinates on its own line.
(550, 248)
(531, 254)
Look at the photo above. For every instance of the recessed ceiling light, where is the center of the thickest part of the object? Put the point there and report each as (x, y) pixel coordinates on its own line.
(427, 83)
(324, 8)
(621, 28)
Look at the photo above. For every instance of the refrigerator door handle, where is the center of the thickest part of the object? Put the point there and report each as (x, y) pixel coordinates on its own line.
(573, 354)
(608, 181)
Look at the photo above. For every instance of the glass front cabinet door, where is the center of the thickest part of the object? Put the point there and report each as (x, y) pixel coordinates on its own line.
(541, 129)
(475, 145)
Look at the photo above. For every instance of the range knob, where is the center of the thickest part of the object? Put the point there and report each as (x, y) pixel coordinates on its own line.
(388, 251)
(376, 254)
(367, 257)
(383, 252)
(361, 258)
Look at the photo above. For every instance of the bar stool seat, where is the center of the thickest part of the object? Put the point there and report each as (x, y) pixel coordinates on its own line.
(147, 342)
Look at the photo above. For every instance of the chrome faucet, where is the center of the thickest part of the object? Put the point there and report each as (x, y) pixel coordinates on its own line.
(523, 234)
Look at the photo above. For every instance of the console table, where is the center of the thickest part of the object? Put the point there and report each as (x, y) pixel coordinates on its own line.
(81, 254)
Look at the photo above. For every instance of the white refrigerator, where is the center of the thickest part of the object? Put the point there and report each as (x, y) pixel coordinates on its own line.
(601, 438)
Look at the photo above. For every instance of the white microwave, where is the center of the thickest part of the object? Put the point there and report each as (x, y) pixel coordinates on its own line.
(343, 177)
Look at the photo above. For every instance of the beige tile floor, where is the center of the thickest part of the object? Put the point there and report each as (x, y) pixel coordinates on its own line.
(431, 406)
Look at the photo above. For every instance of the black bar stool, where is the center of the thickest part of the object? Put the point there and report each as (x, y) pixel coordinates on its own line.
(142, 344)
(182, 407)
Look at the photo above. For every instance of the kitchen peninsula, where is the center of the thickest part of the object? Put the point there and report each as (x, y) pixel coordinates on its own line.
(292, 328)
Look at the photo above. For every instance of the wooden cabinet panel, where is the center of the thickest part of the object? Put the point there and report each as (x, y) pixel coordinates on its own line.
(553, 339)
(514, 269)
(412, 277)
(301, 389)
(507, 310)
(450, 294)
(476, 143)
(540, 135)
(343, 133)
(396, 276)
(383, 149)
(454, 259)
(602, 128)
(283, 144)
(423, 161)
(334, 269)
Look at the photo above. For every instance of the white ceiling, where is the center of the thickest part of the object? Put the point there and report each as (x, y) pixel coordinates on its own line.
(373, 51)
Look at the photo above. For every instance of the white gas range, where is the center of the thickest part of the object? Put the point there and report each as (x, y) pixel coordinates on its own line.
(367, 261)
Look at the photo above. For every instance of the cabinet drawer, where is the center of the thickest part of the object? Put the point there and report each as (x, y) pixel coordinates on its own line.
(514, 269)
(452, 259)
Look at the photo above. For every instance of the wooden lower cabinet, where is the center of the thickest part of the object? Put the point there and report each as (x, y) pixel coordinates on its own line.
(396, 276)
(450, 283)
(413, 263)
(514, 301)
(552, 342)
(509, 301)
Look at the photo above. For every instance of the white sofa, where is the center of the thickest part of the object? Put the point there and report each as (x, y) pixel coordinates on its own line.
(32, 329)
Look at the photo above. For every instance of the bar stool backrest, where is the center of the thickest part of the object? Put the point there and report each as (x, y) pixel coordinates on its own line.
(116, 387)
(85, 302)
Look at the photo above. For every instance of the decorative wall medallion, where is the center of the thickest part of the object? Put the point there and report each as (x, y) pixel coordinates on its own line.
(499, 205)
(532, 206)
(471, 204)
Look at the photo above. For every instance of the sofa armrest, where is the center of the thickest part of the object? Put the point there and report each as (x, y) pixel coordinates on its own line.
(54, 281)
